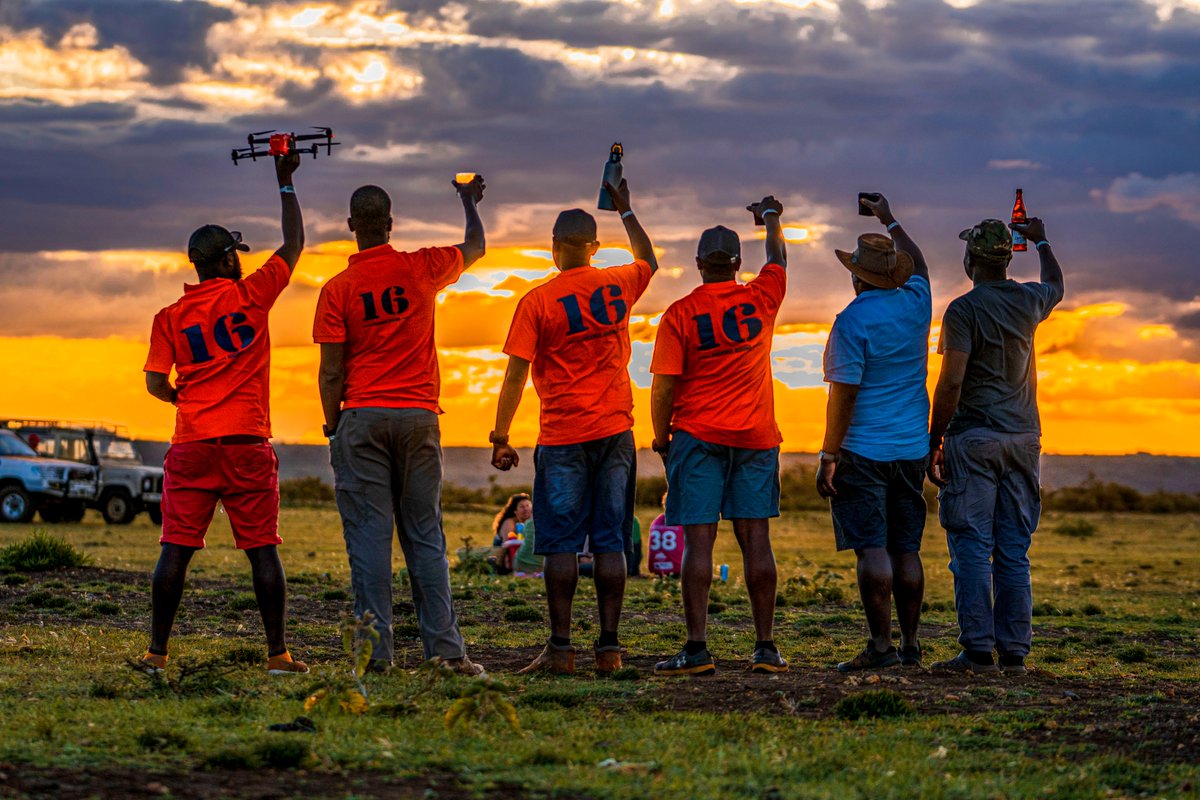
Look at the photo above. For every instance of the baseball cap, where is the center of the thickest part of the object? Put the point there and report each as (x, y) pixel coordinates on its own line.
(575, 226)
(212, 242)
(989, 239)
(719, 244)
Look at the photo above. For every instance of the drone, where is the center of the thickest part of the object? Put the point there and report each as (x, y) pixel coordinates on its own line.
(280, 144)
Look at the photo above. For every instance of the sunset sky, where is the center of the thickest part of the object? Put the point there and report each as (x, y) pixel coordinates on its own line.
(117, 119)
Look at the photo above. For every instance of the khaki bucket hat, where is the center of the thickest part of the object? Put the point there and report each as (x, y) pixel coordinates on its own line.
(877, 262)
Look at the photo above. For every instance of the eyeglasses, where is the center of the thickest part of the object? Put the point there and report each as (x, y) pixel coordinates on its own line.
(237, 239)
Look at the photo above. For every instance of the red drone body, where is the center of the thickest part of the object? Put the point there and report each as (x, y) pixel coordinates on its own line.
(281, 144)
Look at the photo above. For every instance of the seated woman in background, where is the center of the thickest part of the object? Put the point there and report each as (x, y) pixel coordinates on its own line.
(518, 509)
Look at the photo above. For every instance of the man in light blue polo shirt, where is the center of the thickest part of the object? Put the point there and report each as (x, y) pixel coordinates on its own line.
(876, 437)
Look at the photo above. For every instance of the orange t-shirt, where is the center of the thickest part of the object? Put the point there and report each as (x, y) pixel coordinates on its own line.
(217, 339)
(381, 306)
(575, 332)
(717, 340)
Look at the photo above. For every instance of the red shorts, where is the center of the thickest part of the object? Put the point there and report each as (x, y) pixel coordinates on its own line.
(244, 477)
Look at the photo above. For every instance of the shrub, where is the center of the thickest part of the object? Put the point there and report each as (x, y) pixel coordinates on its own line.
(523, 613)
(334, 594)
(1092, 610)
(1096, 495)
(48, 600)
(650, 491)
(282, 752)
(823, 587)
(160, 739)
(1077, 528)
(106, 607)
(310, 491)
(873, 704)
(244, 655)
(41, 552)
(243, 601)
(1132, 654)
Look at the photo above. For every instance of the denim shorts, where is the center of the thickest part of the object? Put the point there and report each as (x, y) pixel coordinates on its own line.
(585, 490)
(879, 504)
(709, 481)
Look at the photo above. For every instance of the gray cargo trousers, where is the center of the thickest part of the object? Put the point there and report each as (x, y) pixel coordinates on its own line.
(990, 509)
(387, 467)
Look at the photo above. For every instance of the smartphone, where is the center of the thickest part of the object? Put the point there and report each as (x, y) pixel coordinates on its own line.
(753, 209)
(863, 211)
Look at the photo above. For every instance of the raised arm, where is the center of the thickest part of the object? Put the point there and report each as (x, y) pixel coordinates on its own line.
(945, 402)
(883, 213)
(158, 384)
(293, 222)
(839, 410)
(473, 246)
(1052, 274)
(639, 240)
(504, 456)
(331, 382)
(770, 210)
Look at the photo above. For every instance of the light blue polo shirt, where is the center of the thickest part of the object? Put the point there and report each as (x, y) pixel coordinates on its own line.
(880, 343)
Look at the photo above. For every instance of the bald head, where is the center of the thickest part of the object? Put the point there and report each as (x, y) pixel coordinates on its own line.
(370, 211)
(575, 227)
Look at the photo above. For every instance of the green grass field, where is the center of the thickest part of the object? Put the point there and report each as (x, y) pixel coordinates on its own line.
(1112, 707)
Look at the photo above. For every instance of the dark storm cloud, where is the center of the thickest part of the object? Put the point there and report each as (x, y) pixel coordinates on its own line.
(165, 36)
(914, 99)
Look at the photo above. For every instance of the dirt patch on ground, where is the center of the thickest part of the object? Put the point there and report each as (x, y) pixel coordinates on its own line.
(262, 784)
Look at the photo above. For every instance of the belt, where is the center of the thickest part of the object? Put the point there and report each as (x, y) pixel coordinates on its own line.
(239, 438)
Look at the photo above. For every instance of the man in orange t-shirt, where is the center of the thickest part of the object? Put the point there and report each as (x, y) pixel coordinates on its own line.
(713, 406)
(379, 388)
(574, 331)
(217, 340)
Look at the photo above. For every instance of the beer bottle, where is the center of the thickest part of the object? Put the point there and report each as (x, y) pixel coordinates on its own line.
(612, 174)
(1019, 217)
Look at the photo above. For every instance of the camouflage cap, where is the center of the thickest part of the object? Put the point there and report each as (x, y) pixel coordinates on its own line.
(989, 239)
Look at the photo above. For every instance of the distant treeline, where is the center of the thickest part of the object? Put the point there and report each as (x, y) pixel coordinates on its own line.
(797, 493)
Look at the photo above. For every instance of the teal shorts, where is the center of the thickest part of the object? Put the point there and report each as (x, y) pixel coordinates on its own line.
(707, 482)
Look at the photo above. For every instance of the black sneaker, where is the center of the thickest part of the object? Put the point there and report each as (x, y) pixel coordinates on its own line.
(683, 664)
(961, 663)
(767, 660)
(911, 656)
(870, 658)
(1012, 665)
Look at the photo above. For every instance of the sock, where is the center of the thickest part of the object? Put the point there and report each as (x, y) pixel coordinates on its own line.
(156, 652)
(766, 644)
(695, 648)
(560, 641)
(607, 639)
(980, 657)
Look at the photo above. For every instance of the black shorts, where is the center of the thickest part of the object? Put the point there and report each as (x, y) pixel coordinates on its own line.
(878, 504)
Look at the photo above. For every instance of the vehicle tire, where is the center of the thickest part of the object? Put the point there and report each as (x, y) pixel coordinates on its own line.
(155, 512)
(15, 505)
(51, 514)
(73, 511)
(118, 508)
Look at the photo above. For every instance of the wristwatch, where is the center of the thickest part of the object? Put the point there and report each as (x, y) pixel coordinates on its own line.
(832, 458)
(495, 438)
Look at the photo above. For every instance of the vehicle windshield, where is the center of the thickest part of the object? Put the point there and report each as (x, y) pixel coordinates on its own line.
(116, 449)
(13, 445)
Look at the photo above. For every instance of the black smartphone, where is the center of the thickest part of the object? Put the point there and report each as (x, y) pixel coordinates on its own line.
(753, 209)
(863, 211)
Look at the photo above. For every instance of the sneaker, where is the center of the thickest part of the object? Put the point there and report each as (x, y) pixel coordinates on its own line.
(465, 666)
(961, 663)
(284, 664)
(553, 659)
(766, 660)
(608, 659)
(683, 664)
(152, 663)
(1012, 665)
(870, 658)
(911, 656)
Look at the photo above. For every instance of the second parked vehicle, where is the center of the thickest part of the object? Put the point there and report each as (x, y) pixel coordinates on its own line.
(127, 486)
